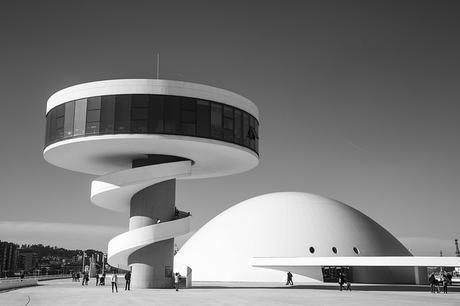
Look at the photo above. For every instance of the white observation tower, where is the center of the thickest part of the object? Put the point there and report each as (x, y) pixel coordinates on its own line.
(139, 136)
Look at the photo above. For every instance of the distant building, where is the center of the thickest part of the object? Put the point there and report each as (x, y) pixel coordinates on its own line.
(27, 260)
(8, 258)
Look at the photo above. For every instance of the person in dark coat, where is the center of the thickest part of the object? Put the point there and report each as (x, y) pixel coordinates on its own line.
(341, 280)
(289, 279)
(346, 281)
(445, 281)
(128, 281)
(102, 280)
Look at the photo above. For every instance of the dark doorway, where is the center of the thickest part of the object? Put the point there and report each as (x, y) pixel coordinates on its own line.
(331, 274)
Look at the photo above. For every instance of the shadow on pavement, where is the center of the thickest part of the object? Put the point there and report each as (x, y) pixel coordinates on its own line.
(354, 287)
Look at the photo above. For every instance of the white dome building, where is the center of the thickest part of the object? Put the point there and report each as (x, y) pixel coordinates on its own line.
(290, 225)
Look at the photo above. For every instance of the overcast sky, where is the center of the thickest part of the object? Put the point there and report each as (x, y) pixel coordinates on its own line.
(359, 101)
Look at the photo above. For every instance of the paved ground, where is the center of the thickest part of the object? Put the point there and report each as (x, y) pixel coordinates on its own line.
(66, 292)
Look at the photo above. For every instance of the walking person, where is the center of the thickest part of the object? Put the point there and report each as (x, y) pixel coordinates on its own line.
(176, 280)
(97, 279)
(102, 280)
(347, 281)
(289, 279)
(341, 280)
(438, 284)
(445, 282)
(128, 281)
(114, 281)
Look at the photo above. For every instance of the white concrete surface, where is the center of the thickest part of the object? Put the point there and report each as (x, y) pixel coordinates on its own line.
(103, 154)
(65, 293)
(115, 190)
(359, 261)
(6, 284)
(284, 224)
(123, 245)
(151, 86)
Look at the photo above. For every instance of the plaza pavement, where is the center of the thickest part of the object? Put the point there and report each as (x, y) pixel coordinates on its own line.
(66, 292)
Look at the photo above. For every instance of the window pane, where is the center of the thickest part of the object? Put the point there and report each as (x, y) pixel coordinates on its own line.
(237, 130)
(188, 104)
(68, 121)
(228, 111)
(52, 118)
(60, 123)
(246, 129)
(203, 118)
(92, 115)
(139, 126)
(257, 138)
(94, 103)
(228, 123)
(140, 100)
(79, 118)
(172, 115)
(216, 120)
(188, 116)
(59, 110)
(188, 129)
(122, 114)
(139, 113)
(252, 133)
(228, 117)
(92, 128)
(156, 107)
(47, 131)
(107, 115)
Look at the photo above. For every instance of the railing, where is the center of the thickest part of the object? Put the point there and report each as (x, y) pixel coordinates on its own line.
(37, 277)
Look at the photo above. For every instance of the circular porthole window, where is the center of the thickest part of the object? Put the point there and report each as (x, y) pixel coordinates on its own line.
(355, 249)
(334, 250)
(312, 250)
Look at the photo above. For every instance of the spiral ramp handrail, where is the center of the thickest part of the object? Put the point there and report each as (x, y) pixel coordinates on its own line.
(115, 190)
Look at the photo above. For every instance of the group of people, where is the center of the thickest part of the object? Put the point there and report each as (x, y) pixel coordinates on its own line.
(114, 280)
(100, 280)
(75, 276)
(85, 278)
(445, 279)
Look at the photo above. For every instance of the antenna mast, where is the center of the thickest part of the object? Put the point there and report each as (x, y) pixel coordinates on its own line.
(158, 65)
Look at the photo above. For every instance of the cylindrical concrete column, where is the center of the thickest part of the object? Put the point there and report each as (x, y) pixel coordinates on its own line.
(152, 265)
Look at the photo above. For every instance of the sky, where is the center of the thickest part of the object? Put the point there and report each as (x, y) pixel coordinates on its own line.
(358, 101)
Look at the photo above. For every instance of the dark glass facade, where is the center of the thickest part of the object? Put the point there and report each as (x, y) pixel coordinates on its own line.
(152, 114)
